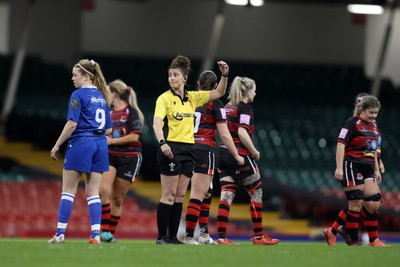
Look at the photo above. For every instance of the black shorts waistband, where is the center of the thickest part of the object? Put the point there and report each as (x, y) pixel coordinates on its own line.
(98, 132)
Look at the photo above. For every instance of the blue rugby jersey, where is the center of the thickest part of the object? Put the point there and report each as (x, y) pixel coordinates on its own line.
(88, 108)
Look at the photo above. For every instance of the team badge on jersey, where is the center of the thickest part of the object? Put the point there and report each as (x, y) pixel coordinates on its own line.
(74, 104)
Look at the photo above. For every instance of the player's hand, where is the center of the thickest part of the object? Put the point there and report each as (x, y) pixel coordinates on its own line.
(223, 67)
(256, 155)
(381, 167)
(109, 140)
(378, 177)
(166, 150)
(239, 160)
(338, 174)
(53, 152)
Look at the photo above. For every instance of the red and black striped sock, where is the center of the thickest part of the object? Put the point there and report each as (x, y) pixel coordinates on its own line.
(114, 220)
(192, 216)
(352, 223)
(370, 222)
(223, 218)
(256, 209)
(340, 220)
(105, 217)
(204, 215)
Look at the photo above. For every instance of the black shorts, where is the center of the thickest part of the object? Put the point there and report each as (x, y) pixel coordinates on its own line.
(227, 166)
(183, 161)
(355, 173)
(205, 161)
(127, 167)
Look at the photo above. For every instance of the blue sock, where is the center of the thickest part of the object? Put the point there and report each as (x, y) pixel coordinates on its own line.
(64, 212)
(94, 205)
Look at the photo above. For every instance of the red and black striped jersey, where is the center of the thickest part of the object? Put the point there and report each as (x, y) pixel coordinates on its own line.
(379, 149)
(205, 129)
(125, 121)
(240, 116)
(361, 139)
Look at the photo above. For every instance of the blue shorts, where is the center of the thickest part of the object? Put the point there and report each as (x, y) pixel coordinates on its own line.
(87, 154)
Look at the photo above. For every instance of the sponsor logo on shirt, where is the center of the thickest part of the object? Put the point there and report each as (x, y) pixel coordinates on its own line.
(180, 115)
(343, 133)
(98, 100)
(245, 119)
(223, 113)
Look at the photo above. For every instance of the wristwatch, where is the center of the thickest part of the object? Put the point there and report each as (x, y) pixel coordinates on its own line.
(161, 142)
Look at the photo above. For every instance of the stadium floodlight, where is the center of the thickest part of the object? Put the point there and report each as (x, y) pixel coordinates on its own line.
(365, 9)
(245, 2)
(256, 2)
(237, 2)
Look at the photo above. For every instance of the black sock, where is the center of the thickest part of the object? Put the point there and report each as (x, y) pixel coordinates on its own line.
(163, 217)
(174, 220)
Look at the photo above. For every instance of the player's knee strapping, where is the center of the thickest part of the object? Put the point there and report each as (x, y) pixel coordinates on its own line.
(251, 187)
(229, 186)
(354, 194)
(375, 197)
(255, 191)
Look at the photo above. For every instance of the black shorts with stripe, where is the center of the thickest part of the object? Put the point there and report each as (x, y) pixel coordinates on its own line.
(183, 162)
(227, 166)
(205, 161)
(355, 173)
(127, 167)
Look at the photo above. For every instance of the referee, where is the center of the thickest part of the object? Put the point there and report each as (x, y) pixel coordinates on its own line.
(174, 129)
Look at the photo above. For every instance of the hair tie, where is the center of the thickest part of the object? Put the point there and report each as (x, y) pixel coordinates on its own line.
(93, 62)
(85, 70)
(129, 89)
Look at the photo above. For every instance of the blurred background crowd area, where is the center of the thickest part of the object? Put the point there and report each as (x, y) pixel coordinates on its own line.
(309, 59)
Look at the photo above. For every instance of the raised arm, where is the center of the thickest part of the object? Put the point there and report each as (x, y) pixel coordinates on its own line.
(221, 88)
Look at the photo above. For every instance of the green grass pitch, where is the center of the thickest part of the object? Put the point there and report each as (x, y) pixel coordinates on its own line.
(141, 253)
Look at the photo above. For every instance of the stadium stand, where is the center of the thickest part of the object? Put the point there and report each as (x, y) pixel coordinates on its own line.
(299, 109)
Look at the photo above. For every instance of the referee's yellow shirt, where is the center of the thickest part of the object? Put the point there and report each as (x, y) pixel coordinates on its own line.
(178, 114)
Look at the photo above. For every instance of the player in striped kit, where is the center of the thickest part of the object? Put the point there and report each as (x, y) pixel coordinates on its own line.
(357, 169)
(125, 157)
(240, 119)
(208, 119)
(369, 211)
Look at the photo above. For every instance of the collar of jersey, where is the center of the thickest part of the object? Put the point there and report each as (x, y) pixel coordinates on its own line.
(88, 86)
(361, 119)
(185, 98)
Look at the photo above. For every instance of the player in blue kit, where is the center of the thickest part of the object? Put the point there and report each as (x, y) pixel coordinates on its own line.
(88, 122)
